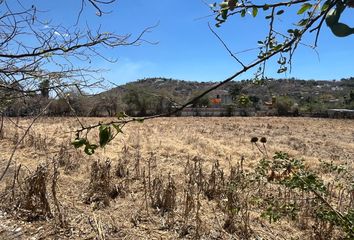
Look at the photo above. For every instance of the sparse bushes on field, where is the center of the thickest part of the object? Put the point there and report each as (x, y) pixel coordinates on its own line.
(200, 201)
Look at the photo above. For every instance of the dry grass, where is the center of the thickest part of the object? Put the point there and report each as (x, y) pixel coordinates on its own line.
(166, 178)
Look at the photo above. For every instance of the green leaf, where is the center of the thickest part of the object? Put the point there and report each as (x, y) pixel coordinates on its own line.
(223, 5)
(281, 60)
(224, 14)
(254, 11)
(280, 12)
(117, 127)
(243, 12)
(79, 142)
(296, 32)
(104, 135)
(265, 7)
(88, 150)
(140, 120)
(304, 7)
(281, 70)
(302, 22)
(325, 5)
(121, 115)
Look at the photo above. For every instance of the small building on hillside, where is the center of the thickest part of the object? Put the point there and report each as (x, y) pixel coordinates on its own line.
(220, 98)
(341, 113)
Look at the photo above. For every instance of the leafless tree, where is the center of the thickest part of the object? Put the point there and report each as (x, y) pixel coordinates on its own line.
(37, 57)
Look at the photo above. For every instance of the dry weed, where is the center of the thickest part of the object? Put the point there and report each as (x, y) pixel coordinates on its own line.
(34, 198)
(206, 198)
(100, 186)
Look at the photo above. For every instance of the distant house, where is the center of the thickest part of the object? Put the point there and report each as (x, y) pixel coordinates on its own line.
(340, 113)
(220, 98)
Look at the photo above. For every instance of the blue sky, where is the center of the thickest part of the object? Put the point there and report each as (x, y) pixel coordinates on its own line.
(188, 50)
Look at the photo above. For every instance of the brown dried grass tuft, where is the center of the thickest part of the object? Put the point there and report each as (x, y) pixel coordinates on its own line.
(169, 196)
(68, 160)
(34, 198)
(216, 183)
(100, 186)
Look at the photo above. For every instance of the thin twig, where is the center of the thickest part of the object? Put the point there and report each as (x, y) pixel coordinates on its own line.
(269, 38)
(226, 47)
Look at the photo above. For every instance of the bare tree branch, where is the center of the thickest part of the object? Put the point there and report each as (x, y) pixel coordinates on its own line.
(225, 46)
(283, 48)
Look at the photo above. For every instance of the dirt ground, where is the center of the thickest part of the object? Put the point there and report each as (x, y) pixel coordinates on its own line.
(161, 149)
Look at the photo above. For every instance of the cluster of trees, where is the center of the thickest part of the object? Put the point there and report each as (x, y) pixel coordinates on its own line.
(136, 101)
(140, 102)
(45, 64)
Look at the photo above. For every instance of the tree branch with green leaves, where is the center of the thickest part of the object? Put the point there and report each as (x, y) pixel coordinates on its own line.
(270, 48)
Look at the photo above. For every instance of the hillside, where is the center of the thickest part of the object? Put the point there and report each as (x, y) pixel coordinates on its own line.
(296, 89)
(177, 89)
(160, 95)
(310, 95)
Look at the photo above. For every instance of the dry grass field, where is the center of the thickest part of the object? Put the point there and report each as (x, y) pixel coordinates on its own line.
(179, 178)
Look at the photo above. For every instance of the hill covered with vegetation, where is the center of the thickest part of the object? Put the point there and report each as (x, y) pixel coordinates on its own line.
(157, 95)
